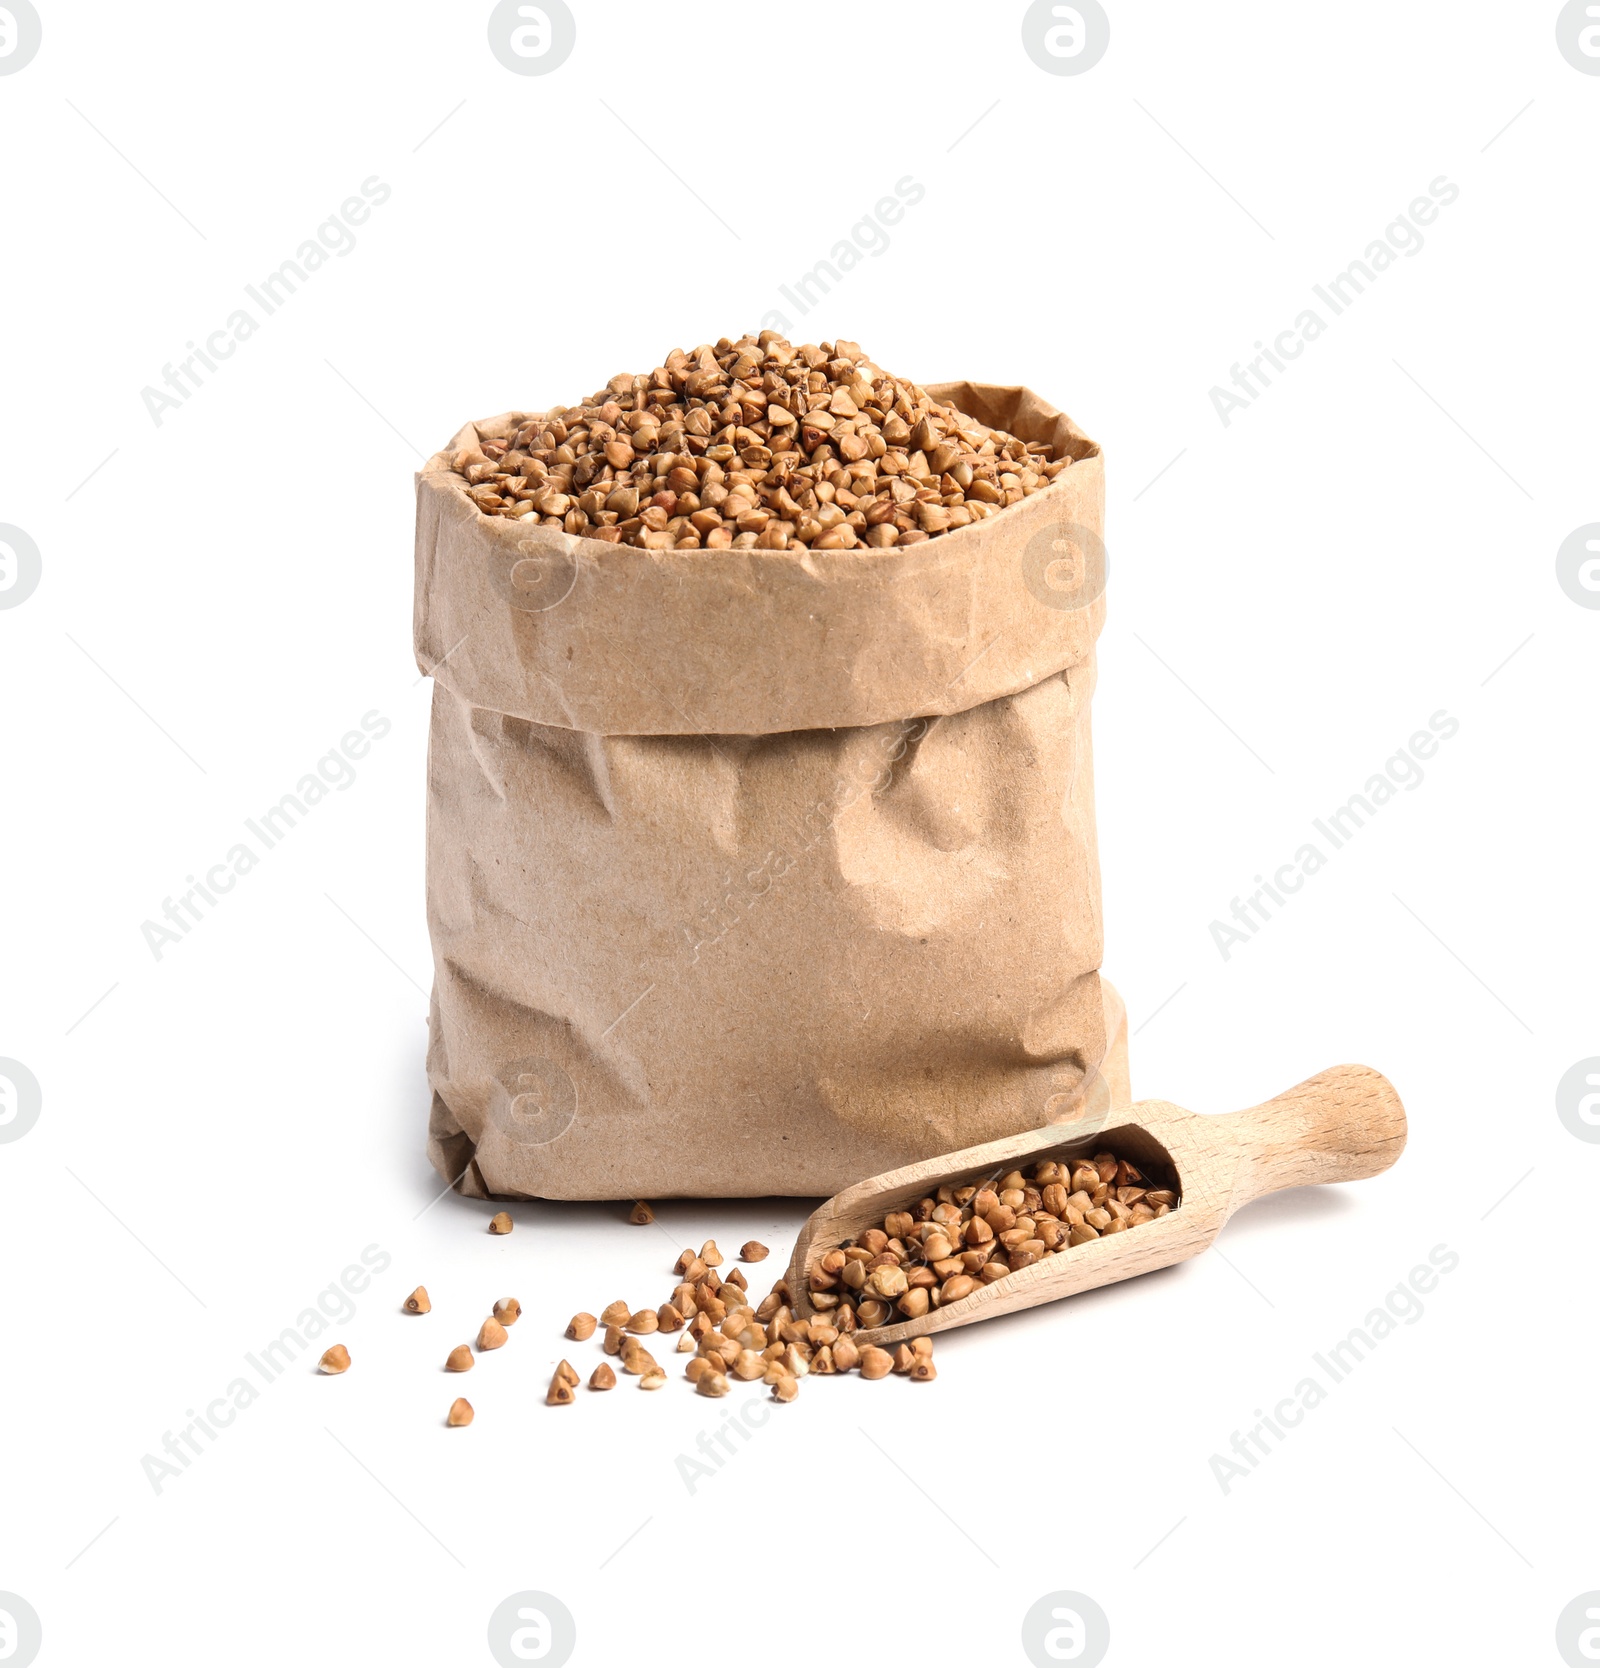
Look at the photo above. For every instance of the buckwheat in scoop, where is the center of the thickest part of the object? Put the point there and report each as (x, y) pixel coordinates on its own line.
(756, 444)
(960, 1238)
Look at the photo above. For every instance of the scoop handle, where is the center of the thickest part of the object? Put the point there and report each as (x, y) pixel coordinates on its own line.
(1344, 1124)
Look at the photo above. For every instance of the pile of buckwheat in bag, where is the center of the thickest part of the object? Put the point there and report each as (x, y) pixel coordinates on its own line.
(756, 444)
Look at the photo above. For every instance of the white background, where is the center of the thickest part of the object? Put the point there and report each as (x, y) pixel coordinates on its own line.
(224, 595)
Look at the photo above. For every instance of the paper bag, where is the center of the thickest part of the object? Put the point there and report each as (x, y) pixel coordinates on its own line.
(758, 872)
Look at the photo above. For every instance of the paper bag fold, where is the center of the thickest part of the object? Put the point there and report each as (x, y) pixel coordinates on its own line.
(755, 872)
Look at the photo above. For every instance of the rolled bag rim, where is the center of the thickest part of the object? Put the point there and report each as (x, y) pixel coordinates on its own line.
(616, 640)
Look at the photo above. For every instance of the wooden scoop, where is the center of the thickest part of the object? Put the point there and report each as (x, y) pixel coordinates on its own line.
(1341, 1125)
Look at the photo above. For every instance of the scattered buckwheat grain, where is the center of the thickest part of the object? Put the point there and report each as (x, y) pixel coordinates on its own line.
(491, 1335)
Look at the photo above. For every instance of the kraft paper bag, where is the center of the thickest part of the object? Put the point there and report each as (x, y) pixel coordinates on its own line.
(758, 872)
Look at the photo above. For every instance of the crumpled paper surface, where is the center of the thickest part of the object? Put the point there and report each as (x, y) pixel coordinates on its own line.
(758, 872)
